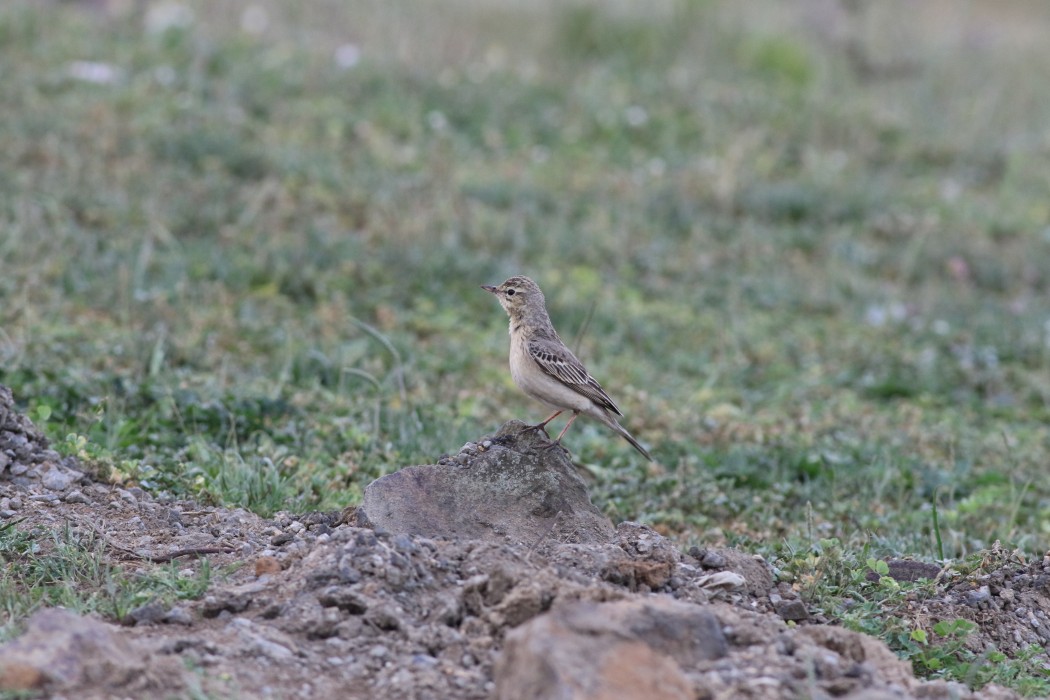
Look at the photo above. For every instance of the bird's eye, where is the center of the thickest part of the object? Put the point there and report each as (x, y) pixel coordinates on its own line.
(510, 292)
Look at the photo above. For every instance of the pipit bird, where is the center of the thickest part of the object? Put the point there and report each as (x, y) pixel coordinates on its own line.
(545, 369)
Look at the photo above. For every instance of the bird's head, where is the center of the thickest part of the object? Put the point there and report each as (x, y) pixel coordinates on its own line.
(517, 295)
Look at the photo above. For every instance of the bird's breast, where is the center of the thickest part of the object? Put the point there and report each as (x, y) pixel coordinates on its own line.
(539, 385)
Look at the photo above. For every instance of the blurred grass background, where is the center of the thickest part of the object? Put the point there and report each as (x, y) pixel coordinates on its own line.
(805, 245)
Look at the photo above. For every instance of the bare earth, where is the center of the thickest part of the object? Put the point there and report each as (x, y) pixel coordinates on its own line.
(317, 606)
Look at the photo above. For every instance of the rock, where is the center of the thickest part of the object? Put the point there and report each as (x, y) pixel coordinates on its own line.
(58, 479)
(267, 566)
(857, 648)
(977, 597)
(63, 651)
(516, 489)
(255, 640)
(627, 650)
(178, 616)
(343, 597)
(75, 496)
(791, 610)
(226, 601)
(148, 614)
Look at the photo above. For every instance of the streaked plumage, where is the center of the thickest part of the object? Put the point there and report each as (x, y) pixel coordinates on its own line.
(545, 369)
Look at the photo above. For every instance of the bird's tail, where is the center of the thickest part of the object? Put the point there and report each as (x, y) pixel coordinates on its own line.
(627, 436)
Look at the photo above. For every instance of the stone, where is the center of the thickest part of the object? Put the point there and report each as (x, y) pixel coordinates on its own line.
(343, 597)
(267, 566)
(226, 601)
(628, 650)
(856, 648)
(178, 616)
(61, 650)
(517, 490)
(75, 496)
(148, 614)
(58, 479)
(794, 610)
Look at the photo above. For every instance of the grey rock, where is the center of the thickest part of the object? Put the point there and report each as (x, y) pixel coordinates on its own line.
(178, 616)
(516, 489)
(344, 598)
(75, 496)
(385, 617)
(713, 560)
(58, 479)
(791, 610)
(233, 602)
(148, 614)
(976, 597)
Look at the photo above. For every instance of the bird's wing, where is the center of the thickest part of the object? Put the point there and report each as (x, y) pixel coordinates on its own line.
(558, 361)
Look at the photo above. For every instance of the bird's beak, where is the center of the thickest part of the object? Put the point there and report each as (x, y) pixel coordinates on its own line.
(488, 288)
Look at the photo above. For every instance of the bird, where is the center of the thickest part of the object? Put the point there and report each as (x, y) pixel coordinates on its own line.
(545, 369)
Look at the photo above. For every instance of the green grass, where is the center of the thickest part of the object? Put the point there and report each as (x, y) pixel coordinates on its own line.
(243, 273)
(70, 569)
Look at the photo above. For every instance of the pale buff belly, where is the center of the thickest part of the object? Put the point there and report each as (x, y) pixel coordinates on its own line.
(541, 386)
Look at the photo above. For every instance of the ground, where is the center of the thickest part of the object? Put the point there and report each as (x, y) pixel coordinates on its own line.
(313, 605)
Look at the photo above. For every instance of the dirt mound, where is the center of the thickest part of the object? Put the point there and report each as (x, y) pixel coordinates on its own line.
(319, 606)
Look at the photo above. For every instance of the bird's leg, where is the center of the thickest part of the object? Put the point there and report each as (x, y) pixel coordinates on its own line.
(541, 426)
(557, 442)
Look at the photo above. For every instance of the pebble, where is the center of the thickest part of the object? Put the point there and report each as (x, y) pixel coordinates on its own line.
(379, 651)
(147, 614)
(7, 513)
(296, 527)
(75, 496)
(792, 610)
(487, 444)
(713, 560)
(179, 616)
(424, 660)
(981, 595)
(58, 479)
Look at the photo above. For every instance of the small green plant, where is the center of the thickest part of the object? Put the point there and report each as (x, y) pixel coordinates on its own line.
(944, 654)
(69, 568)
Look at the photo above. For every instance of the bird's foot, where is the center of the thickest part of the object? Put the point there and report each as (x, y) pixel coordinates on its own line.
(556, 443)
(530, 428)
